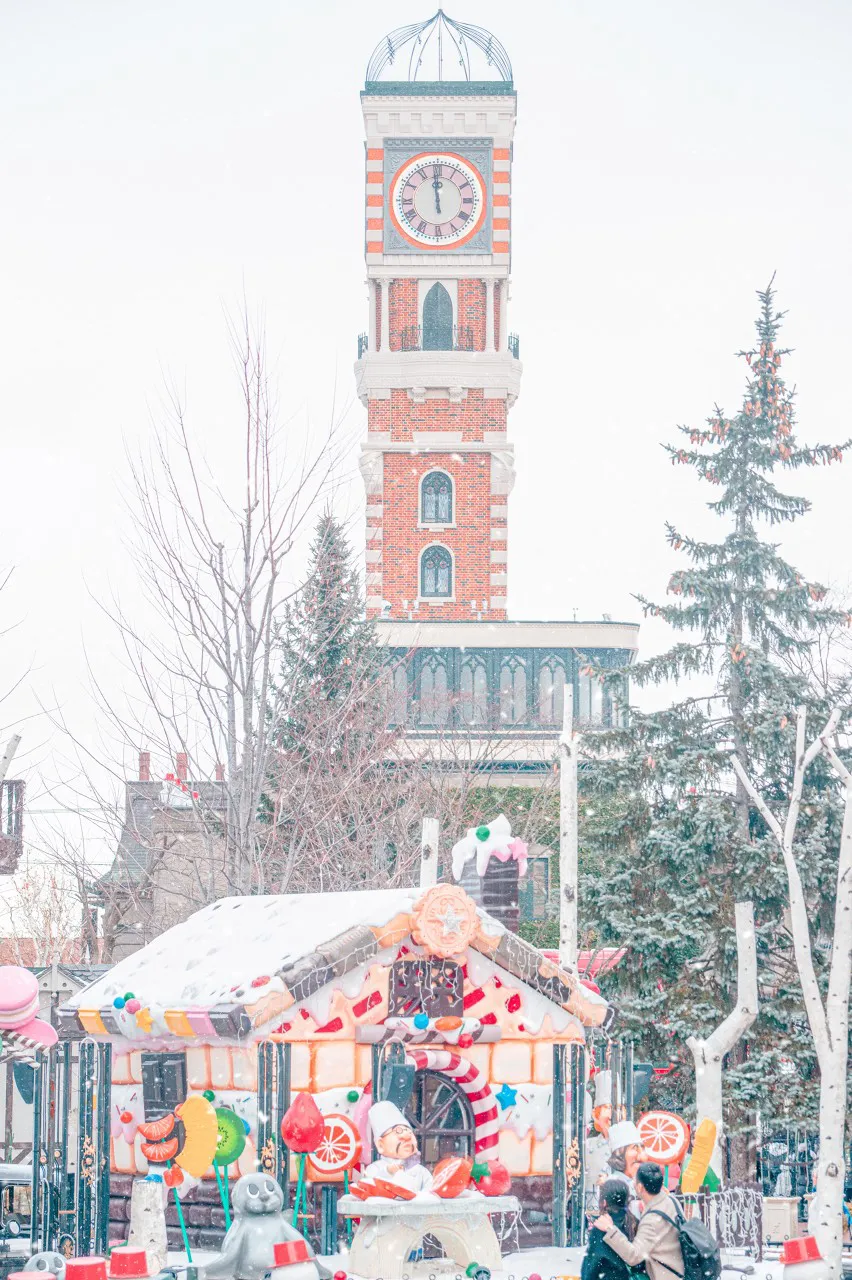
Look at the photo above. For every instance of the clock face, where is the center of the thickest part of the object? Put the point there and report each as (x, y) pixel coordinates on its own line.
(438, 200)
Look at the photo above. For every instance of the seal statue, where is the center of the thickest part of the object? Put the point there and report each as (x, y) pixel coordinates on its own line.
(54, 1263)
(259, 1224)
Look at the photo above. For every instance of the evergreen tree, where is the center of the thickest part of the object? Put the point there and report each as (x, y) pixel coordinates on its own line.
(675, 836)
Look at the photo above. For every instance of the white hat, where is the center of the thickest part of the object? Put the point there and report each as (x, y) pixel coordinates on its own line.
(624, 1134)
(603, 1088)
(383, 1116)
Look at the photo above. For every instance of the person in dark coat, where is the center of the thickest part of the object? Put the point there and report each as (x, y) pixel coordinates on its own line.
(601, 1262)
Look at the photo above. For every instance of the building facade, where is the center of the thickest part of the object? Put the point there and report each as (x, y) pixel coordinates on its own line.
(438, 371)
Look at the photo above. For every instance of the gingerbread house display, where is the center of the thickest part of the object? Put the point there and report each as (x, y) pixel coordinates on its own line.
(254, 999)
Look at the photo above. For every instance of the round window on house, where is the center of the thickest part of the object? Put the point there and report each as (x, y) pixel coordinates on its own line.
(436, 573)
(436, 498)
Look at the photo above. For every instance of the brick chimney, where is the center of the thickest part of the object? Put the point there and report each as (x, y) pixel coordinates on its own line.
(496, 892)
(181, 766)
(144, 766)
(220, 773)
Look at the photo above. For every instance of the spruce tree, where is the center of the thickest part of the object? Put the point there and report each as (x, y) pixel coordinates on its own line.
(674, 833)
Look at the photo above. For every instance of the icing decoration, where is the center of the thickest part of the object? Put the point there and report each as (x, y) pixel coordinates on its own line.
(473, 1083)
(699, 1160)
(198, 1118)
(444, 920)
(133, 1005)
(665, 1136)
(353, 1095)
(421, 1021)
(144, 1020)
(123, 1120)
(506, 1096)
(119, 1002)
(303, 1126)
(487, 842)
(338, 1150)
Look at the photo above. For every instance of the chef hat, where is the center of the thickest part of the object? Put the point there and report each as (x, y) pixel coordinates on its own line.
(383, 1116)
(603, 1088)
(624, 1134)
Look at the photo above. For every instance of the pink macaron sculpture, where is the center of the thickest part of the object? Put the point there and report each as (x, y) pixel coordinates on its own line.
(19, 1006)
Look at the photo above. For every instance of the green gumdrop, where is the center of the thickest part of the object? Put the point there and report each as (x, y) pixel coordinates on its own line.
(209, 1095)
(231, 1138)
(482, 833)
(128, 995)
(353, 1095)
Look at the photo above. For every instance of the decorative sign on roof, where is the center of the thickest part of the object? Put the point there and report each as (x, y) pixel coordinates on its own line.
(444, 921)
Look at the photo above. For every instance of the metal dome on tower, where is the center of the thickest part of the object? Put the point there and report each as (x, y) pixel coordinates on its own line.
(439, 51)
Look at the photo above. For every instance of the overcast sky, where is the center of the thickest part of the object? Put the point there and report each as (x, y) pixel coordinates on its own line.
(161, 159)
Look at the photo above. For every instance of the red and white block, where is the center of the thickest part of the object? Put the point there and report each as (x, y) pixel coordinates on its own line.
(475, 1087)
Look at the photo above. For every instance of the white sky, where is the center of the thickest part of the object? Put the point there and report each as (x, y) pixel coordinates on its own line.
(159, 159)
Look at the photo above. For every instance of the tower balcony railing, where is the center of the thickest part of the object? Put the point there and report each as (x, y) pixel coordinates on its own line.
(363, 344)
(414, 338)
(515, 345)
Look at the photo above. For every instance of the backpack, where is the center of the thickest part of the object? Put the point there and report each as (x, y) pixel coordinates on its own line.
(702, 1259)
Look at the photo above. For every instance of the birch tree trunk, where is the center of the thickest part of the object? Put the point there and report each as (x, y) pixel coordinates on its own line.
(569, 744)
(708, 1054)
(829, 1023)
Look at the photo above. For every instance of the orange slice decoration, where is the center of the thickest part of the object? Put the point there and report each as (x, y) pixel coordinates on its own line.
(339, 1149)
(665, 1136)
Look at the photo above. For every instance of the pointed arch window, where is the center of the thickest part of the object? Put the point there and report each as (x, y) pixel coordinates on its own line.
(473, 703)
(551, 691)
(436, 574)
(434, 691)
(437, 319)
(436, 498)
(513, 691)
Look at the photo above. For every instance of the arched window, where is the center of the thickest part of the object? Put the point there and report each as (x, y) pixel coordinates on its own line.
(396, 693)
(551, 692)
(436, 573)
(473, 704)
(513, 691)
(437, 319)
(436, 498)
(442, 1117)
(591, 697)
(434, 691)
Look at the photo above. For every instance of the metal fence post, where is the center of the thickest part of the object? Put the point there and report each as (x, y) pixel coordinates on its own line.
(576, 1162)
(104, 1086)
(560, 1186)
(282, 1102)
(628, 1079)
(35, 1205)
(85, 1146)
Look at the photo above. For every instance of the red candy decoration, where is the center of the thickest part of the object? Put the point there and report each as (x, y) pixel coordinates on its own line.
(340, 1275)
(465, 1040)
(285, 1254)
(302, 1127)
(261, 981)
(513, 1004)
(497, 1181)
(128, 1263)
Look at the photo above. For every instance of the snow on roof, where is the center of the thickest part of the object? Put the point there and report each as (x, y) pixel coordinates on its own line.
(232, 942)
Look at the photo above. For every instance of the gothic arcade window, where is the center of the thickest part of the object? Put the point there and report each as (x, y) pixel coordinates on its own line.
(436, 498)
(591, 697)
(396, 692)
(473, 703)
(442, 1117)
(437, 319)
(513, 690)
(436, 573)
(434, 691)
(551, 691)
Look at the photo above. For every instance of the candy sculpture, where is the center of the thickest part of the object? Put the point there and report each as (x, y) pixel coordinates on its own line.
(19, 1006)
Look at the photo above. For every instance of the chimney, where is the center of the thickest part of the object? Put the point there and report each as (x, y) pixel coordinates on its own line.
(180, 766)
(496, 892)
(144, 766)
(220, 773)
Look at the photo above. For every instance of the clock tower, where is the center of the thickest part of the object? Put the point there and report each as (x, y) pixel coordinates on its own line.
(438, 370)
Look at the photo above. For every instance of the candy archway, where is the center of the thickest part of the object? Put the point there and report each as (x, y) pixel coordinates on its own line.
(474, 1085)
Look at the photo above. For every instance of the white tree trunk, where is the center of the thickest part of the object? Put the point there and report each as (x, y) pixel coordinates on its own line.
(429, 852)
(708, 1054)
(569, 744)
(829, 1023)
(148, 1222)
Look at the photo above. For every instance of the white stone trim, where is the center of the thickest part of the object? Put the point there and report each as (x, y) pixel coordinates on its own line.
(499, 535)
(375, 512)
(437, 437)
(502, 471)
(502, 188)
(373, 579)
(374, 235)
(498, 602)
(500, 556)
(497, 373)
(377, 166)
(374, 602)
(499, 511)
(459, 634)
(498, 579)
(375, 534)
(426, 445)
(374, 555)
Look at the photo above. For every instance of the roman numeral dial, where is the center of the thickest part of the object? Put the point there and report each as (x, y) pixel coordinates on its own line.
(438, 201)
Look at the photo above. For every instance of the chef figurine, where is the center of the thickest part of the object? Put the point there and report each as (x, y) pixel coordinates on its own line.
(399, 1159)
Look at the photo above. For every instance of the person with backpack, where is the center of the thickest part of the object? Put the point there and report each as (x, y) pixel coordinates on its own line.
(667, 1243)
(600, 1262)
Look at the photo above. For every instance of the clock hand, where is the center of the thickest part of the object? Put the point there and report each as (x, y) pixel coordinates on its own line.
(437, 184)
